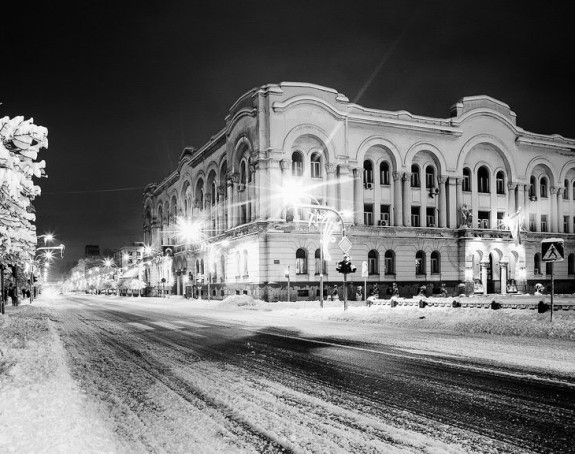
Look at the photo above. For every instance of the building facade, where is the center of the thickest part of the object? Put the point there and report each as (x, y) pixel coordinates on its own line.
(424, 201)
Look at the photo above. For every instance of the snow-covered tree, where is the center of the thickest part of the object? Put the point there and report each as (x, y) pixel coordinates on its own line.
(20, 142)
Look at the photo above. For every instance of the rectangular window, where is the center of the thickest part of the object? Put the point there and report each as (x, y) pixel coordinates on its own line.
(565, 224)
(368, 214)
(533, 222)
(384, 215)
(430, 217)
(429, 180)
(500, 186)
(544, 223)
(500, 224)
(434, 265)
(483, 220)
(415, 217)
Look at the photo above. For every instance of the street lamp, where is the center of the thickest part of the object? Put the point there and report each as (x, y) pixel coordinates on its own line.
(292, 193)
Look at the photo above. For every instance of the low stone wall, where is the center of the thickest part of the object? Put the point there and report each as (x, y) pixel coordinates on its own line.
(480, 302)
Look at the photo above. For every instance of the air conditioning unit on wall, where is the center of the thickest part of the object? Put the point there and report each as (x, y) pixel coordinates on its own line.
(368, 185)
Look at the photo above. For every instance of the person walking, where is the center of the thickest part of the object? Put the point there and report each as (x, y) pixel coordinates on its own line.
(12, 294)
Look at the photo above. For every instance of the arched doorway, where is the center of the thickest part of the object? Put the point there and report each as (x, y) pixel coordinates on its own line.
(493, 273)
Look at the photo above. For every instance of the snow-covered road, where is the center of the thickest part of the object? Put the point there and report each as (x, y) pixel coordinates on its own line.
(178, 378)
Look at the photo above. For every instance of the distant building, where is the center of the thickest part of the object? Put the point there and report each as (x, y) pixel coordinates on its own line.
(129, 255)
(91, 250)
(428, 199)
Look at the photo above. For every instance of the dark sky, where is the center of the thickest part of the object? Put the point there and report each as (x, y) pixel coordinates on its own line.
(123, 86)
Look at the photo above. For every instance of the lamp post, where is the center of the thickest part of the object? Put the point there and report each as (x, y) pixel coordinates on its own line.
(323, 228)
(48, 255)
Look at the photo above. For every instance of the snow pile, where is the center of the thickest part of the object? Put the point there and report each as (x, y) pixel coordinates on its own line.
(241, 301)
(509, 322)
(41, 407)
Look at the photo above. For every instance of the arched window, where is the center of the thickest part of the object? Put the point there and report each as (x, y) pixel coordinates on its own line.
(202, 266)
(573, 194)
(466, 182)
(566, 189)
(316, 165)
(500, 182)
(243, 173)
(389, 262)
(571, 264)
(296, 164)
(367, 172)
(532, 187)
(238, 264)
(429, 177)
(483, 179)
(373, 262)
(420, 263)
(435, 262)
(318, 267)
(384, 173)
(214, 193)
(543, 187)
(301, 261)
(198, 267)
(537, 263)
(415, 182)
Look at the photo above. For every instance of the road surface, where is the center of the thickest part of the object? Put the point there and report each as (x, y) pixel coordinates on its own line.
(197, 381)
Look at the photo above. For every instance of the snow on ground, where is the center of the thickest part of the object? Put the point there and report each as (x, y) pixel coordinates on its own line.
(42, 410)
(39, 397)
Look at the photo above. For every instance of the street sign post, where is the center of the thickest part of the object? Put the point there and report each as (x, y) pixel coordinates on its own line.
(364, 274)
(552, 251)
(345, 245)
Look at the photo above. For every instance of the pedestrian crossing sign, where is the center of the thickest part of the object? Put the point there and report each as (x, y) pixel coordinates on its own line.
(552, 250)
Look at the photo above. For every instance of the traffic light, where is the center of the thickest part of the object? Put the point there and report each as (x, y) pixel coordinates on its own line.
(345, 266)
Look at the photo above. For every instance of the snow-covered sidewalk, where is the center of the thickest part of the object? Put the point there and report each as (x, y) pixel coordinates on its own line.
(41, 408)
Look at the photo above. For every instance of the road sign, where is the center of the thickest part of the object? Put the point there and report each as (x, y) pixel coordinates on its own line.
(364, 272)
(552, 250)
(345, 245)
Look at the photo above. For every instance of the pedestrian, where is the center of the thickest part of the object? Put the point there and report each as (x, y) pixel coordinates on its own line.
(12, 294)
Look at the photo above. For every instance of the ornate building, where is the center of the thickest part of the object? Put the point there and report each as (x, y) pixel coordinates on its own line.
(427, 199)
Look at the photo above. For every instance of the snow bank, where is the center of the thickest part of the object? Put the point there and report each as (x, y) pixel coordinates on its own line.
(509, 322)
(41, 407)
(241, 301)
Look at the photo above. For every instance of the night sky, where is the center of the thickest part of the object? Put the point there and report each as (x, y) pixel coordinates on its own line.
(123, 86)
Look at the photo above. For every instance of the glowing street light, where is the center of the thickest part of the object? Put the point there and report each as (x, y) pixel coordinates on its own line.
(292, 193)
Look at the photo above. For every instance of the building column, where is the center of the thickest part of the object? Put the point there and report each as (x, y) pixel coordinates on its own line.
(511, 208)
(553, 200)
(560, 213)
(503, 277)
(221, 209)
(397, 201)
(253, 177)
(357, 196)
(346, 190)
(229, 199)
(484, 266)
(406, 199)
(331, 182)
(458, 201)
(452, 203)
(526, 203)
(442, 201)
